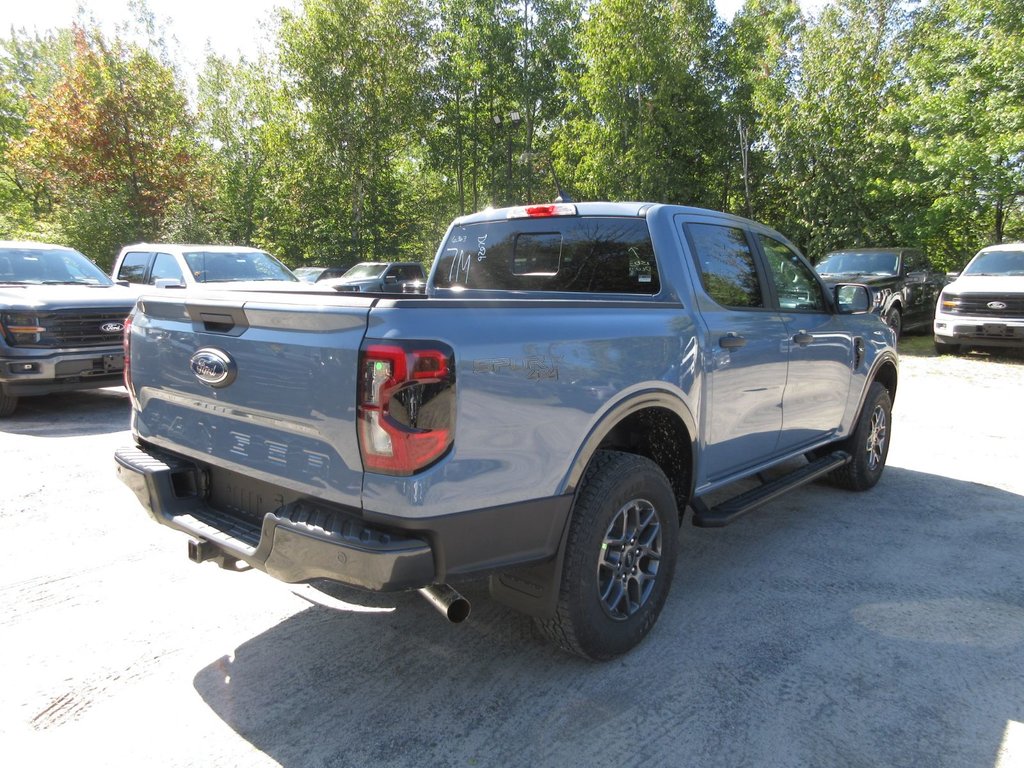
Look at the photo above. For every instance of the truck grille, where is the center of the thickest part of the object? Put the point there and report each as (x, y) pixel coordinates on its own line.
(67, 328)
(977, 305)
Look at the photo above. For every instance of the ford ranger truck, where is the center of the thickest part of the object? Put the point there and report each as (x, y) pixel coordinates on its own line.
(575, 377)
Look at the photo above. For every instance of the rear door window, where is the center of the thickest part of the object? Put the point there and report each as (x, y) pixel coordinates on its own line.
(557, 254)
(726, 264)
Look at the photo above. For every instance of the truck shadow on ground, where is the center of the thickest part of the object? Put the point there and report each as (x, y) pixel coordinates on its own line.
(68, 414)
(828, 628)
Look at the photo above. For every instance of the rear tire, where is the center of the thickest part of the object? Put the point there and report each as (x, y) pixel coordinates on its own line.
(619, 560)
(869, 444)
(7, 403)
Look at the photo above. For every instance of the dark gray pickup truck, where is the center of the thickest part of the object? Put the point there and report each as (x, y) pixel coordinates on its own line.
(575, 378)
(61, 323)
(904, 284)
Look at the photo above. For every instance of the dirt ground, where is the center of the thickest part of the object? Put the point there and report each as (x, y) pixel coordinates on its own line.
(826, 629)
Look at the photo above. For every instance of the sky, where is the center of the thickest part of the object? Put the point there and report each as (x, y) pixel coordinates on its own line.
(229, 27)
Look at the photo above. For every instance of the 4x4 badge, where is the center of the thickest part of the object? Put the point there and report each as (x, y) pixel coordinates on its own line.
(213, 367)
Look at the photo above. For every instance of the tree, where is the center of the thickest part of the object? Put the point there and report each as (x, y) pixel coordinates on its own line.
(356, 71)
(964, 109)
(111, 143)
(762, 61)
(649, 123)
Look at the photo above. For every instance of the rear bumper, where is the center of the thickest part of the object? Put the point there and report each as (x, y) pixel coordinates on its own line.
(304, 539)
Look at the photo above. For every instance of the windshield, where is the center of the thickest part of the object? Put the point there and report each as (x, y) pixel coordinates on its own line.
(366, 270)
(229, 266)
(997, 263)
(48, 266)
(309, 274)
(859, 263)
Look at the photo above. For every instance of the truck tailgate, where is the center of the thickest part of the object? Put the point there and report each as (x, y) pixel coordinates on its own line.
(285, 413)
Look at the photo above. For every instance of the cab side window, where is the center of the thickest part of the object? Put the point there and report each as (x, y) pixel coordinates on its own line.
(165, 268)
(794, 282)
(726, 265)
(133, 267)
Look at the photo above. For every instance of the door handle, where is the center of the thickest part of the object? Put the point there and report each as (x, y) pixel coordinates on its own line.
(803, 338)
(731, 341)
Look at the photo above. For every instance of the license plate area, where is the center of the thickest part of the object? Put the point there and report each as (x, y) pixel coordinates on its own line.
(997, 329)
(246, 497)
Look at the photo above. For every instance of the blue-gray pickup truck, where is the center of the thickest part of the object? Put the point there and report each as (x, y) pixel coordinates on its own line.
(575, 378)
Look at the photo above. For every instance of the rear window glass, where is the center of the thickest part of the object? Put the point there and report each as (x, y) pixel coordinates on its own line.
(558, 254)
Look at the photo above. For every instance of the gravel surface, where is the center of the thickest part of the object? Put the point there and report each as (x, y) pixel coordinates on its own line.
(826, 629)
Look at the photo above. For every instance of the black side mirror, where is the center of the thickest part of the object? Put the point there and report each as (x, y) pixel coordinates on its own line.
(852, 298)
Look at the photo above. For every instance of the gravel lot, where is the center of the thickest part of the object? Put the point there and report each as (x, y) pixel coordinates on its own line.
(827, 629)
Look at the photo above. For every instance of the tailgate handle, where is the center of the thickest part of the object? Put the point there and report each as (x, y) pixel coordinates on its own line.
(216, 323)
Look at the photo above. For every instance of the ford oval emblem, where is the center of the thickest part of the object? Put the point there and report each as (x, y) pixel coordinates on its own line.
(213, 367)
(112, 327)
(996, 305)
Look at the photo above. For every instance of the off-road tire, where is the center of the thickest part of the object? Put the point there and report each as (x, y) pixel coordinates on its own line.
(7, 403)
(869, 443)
(597, 616)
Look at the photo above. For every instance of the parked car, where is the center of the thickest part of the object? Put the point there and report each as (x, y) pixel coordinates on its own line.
(379, 277)
(61, 322)
(903, 280)
(316, 274)
(575, 377)
(984, 305)
(164, 265)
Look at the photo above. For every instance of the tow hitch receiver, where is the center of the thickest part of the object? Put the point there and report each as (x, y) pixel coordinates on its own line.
(200, 550)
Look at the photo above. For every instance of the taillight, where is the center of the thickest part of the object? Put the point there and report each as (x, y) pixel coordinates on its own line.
(406, 405)
(127, 357)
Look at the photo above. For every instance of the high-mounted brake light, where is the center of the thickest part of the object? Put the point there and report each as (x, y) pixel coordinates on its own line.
(542, 211)
(406, 406)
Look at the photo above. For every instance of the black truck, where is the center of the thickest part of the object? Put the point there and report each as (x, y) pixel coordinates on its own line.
(904, 282)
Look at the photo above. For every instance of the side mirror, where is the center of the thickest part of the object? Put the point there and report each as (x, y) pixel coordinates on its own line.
(123, 283)
(169, 282)
(852, 298)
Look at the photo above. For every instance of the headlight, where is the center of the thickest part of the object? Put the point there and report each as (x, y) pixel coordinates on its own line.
(949, 302)
(21, 327)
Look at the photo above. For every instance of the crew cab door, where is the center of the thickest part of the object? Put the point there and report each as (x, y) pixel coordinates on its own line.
(922, 287)
(746, 351)
(819, 349)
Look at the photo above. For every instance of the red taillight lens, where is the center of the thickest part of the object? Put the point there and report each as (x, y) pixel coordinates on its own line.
(406, 406)
(128, 357)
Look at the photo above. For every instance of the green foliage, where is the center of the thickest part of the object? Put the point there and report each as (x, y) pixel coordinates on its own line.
(371, 123)
(648, 123)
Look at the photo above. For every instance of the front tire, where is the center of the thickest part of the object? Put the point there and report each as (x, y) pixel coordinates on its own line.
(619, 560)
(942, 348)
(7, 403)
(894, 319)
(869, 444)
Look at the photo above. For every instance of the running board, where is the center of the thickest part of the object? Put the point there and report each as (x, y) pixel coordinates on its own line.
(737, 506)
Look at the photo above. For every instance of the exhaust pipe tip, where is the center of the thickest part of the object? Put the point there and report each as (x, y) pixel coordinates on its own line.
(447, 601)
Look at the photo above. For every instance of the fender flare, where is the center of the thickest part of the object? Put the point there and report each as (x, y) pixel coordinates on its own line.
(613, 416)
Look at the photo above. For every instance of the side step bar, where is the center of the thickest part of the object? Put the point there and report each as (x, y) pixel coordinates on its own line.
(737, 506)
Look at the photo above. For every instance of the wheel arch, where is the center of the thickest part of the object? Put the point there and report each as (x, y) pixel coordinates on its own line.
(655, 424)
